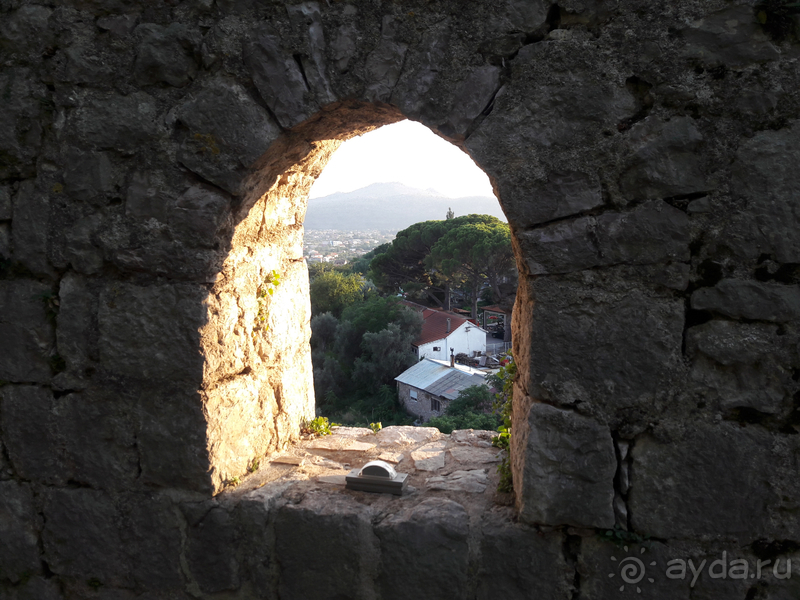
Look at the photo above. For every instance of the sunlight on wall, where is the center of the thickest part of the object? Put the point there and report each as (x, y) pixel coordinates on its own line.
(406, 152)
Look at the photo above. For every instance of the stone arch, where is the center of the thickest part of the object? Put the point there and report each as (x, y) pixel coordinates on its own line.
(270, 366)
(256, 388)
(646, 162)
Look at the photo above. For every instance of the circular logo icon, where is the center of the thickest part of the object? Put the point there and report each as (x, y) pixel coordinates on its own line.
(632, 570)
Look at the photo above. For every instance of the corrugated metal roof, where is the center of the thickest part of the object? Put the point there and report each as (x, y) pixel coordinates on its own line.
(437, 377)
(453, 383)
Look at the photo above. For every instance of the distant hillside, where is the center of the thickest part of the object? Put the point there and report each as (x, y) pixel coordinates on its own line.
(391, 206)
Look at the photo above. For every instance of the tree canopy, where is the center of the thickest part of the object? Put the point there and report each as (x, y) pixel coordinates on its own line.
(356, 358)
(333, 291)
(434, 257)
(471, 410)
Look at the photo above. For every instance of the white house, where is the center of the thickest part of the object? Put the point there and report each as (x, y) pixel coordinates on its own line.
(444, 330)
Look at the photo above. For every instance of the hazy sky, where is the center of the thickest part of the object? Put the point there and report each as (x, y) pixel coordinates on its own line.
(406, 152)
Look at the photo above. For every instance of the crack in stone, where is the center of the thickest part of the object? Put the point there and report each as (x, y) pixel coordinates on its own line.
(191, 585)
(571, 549)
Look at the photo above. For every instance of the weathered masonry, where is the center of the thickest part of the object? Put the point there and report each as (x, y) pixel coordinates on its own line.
(155, 160)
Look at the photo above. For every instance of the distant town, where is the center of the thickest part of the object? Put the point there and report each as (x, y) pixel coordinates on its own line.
(340, 247)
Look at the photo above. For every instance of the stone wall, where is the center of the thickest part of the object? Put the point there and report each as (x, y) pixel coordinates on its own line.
(155, 161)
(421, 406)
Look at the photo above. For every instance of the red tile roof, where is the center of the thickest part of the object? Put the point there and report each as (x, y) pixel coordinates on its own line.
(497, 309)
(435, 325)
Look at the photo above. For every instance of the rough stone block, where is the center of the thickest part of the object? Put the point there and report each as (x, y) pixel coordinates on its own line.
(255, 538)
(19, 530)
(123, 123)
(153, 541)
(580, 331)
(323, 543)
(97, 434)
(5, 202)
(632, 570)
(86, 64)
(198, 214)
(473, 481)
(680, 489)
(242, 412)
(421, 79)
(750, 300)
(785, 588)
(25, 30)
(307, 17)
(650, 233)
(166, 54)
(87, 174)
(519, 562)
(561, 247)
(26, 331)
(565, 193)
(278, 77)
(730, 37)
(764, 179)
(79, 247)
(211, 551)
(558, 112)
(168, 259)
(20, 121)
(471, 98)
(564, 466)
(172, 441)
(31, 229)
(519, 15)
(75, 324)
(119, 25)
(72, 438)
(36, 588)
(429, 457)
(152, 332)
(742, 365)
(401, 435)
(731, 343)
(663, 159)
(30, 436)
(147, 198)
(344, 46)
(384, 64)
(82, 537)
(5, 241)
(227, 129)
(424, 550)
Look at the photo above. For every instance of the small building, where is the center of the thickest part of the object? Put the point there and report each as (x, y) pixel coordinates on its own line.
(443, 331)
(426, 388)
(495, 315)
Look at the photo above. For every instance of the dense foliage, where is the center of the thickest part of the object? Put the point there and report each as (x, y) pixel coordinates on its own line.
(503, 380)
(431, 260)
(332, 291)
(357, 356)
(468, 411)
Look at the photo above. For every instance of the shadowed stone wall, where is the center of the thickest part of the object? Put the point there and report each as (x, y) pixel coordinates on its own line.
(155, 162)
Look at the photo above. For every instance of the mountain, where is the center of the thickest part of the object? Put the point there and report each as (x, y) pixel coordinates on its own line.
(391, 206)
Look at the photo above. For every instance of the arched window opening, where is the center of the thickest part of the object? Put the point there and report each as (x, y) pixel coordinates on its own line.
(407, 246)
(259, 378)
